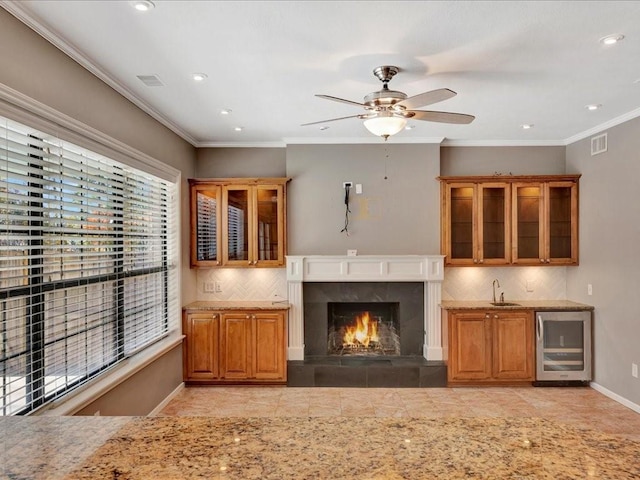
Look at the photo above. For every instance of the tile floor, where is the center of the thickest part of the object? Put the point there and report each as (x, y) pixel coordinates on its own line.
(578, 407)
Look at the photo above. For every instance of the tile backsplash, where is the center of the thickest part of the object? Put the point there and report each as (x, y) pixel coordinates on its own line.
(239, 284)
(471, 283)
(460, 283)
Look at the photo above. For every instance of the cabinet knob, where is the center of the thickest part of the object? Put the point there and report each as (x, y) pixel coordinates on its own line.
(495, 316)
(542, 260)
(475, 260)
(218, 262)
(486, 315)
(481, 261)
(248, 317)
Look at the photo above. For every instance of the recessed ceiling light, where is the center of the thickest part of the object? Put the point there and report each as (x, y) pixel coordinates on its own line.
(324, 127)
(612, 39)
(143, 5)
(527, 126)
(225, 111)
(409, 127)
(238, 129)
(593, 106)
(198, 77)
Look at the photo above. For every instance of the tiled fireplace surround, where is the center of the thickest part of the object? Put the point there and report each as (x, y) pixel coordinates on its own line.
(413, 280)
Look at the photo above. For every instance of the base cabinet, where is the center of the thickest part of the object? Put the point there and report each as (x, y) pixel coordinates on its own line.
(235, 347)
(490, 347)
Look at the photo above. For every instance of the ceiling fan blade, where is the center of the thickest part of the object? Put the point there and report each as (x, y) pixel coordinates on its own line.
(333, 120)
(427, 98)
(341, 100)
(441, 117)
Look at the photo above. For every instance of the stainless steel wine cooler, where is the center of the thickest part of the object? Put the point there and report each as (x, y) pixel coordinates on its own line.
(563, 347)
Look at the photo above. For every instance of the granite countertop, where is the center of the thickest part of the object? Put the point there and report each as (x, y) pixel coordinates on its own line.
(537, 305)
(173, 448)
(237, 305)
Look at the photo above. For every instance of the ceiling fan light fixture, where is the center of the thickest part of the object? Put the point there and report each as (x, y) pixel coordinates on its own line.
(385, 125)
(612, 39)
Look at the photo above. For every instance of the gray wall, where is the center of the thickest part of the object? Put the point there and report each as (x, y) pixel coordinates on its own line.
(609, 258)
(241, 162)
(141, 393)
(397, 213)
(502, 160)
(37, 69)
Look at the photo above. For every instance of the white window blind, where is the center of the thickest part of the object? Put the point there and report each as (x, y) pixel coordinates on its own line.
(87, 265)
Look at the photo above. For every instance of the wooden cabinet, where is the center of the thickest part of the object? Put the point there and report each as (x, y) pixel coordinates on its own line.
(545, 223)
(520, 220)
(241, 346)
(475, 223)
(238, 222)
(490, 347)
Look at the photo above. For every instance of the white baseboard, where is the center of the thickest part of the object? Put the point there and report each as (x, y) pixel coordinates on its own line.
(614, 396)
(166, 401)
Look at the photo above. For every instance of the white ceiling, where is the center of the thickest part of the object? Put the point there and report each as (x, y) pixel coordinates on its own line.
(511, 63)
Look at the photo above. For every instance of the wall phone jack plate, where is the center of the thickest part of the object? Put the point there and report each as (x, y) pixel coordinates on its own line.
(347, 184)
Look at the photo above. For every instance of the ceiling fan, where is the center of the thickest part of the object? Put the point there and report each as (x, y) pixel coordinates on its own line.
(387, 110)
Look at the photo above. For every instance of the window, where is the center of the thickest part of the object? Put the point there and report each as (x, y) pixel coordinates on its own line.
(87, 265)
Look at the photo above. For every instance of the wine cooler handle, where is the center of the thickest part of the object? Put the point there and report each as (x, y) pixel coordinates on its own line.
(539, 329)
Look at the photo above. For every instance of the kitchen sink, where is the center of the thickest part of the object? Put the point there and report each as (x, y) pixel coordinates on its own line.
(505, 304)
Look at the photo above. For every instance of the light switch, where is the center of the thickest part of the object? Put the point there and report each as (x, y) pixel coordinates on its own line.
(358, 188)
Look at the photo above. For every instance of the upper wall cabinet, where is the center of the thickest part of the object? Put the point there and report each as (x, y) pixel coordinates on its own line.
(238, 222)
(475, 219)
(510, 220)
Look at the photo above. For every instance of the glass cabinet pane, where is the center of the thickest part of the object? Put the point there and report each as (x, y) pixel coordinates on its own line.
(493, 222)
(560, 222)
(528, 204)
(206, 225)
(267, 209)
(238, 224)
(461, 227)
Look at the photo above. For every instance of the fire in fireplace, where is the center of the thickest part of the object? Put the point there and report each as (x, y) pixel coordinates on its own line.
(366, 329)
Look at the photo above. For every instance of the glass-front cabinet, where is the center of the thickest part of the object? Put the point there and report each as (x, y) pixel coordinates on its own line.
(500, 220)
(238, 222)
(476, 219)
(545, 223)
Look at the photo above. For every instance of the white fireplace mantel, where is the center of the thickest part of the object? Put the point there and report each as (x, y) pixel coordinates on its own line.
(367, 268)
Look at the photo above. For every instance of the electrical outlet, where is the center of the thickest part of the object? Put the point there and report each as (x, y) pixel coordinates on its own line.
(589, 289)
(347, 184)
(209, 287)
(634, 370)
(530, 285)
(352, 253)
(217, 286)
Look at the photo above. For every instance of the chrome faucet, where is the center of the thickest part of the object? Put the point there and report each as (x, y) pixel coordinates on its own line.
(494, 289)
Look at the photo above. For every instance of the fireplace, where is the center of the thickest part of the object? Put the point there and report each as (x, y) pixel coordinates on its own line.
(400, 294)
(363, 329)
(396, 306)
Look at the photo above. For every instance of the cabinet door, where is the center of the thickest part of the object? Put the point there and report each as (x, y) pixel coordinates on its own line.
(269, 355)
(469, 346)
(493, 237)
(528, 219)
(268, 241)
(201, 352)
(459, 224)
(561, 202)
(236, 225)
(235, 346)
(512, 345)
(205, 222)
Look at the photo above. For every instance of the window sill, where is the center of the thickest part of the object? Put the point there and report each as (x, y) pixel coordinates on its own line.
(83, 396)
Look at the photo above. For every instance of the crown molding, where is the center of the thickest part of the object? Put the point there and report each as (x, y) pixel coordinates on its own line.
(503, 143)
(358, 140)
(604, 126)
(15, 9)
(240, 145)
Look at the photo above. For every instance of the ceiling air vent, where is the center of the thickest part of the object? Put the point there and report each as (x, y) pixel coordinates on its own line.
(150, 80)
(599, 144)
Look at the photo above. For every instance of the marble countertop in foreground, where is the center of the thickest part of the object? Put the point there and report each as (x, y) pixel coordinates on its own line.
(237, 305)
(172, 448)
(538, 305)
